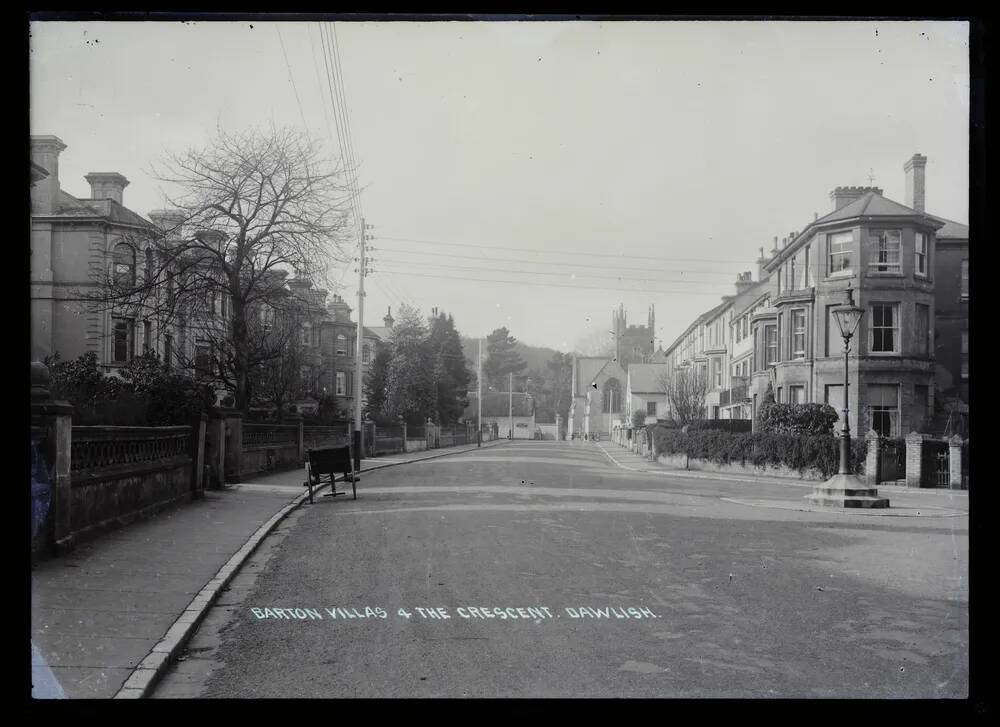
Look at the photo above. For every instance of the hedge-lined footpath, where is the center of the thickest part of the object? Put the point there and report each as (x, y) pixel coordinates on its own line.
(797, 452)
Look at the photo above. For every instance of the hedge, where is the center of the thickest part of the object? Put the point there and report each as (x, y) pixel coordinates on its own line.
(761, 449)
(805, 419)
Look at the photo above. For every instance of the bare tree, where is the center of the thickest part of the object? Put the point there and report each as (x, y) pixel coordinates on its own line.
(686, 391)
(598, 342)
(255, 206)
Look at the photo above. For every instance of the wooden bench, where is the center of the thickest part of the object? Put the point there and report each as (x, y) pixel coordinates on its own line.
(328, 463)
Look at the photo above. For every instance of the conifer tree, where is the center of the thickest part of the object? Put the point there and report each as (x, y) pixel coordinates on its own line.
(503, 359)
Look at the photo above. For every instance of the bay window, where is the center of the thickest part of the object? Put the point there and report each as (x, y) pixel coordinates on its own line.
(884, 328)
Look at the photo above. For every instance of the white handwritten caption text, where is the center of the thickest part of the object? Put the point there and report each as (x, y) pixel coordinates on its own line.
(442, 613)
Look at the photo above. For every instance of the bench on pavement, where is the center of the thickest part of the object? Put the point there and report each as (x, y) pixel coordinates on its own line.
(323, 465)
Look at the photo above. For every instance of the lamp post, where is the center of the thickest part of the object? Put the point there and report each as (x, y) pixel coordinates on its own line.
(845, 489)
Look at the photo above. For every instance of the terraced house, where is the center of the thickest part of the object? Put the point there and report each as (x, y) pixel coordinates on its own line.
(782, 333)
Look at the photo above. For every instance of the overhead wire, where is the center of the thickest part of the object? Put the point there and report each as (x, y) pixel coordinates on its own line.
(559, 263)
(549, 251)
(609, 275)
(291, 77)
(557, 285)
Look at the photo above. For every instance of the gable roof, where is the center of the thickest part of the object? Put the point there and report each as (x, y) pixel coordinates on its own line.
(588, 368)
(644, 378)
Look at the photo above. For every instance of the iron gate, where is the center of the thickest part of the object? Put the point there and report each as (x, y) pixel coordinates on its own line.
(892, 460)
(934, 464)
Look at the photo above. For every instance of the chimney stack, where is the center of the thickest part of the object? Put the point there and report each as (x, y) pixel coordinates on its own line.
(914, 169)
(45, 151)
(170, 221)
(843, 196)
(761, 262)
(387, 318)
(107, 185)
(743, 281)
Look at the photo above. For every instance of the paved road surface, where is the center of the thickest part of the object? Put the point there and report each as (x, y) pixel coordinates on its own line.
(640, 585)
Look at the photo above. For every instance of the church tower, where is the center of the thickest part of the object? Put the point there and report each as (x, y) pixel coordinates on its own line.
(633, 344)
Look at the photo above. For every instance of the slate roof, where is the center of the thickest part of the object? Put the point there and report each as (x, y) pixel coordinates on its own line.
(587, 369)
(644, 378)
(382, 332)
(870, 204)
(497, 404)
(66, 205)
(707, 315)
(952, 230)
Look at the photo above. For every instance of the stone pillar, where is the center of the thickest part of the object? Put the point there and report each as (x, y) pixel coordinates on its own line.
(234, 444)
(374, 441)
(955, 462)
(215, 449)
(914, 458)
(198, 430)
(404, 437)
(55, 419)
(872, 458)
(302, 439)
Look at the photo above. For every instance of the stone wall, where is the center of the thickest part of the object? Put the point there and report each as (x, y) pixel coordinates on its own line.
(269, 447)
(681, 461)
(120, 474)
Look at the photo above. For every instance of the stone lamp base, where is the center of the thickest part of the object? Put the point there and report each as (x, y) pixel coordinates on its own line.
(846, 491)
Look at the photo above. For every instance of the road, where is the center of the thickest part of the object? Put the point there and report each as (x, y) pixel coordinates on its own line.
(639, 585)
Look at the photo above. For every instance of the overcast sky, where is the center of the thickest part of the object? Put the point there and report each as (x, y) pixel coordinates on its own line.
(633, 162)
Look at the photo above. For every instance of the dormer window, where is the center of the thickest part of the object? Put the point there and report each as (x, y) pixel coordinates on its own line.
(885, 251)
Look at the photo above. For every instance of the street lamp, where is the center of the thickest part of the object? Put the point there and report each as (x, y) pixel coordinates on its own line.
(845, 489)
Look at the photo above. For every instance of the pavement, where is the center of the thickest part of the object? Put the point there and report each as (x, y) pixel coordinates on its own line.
(107, 618)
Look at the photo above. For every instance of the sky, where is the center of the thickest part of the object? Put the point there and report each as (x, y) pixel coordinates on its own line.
(536, 175)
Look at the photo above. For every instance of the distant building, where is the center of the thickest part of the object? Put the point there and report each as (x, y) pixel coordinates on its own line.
(633, 344)
(645, 393)
(598, 385)
(497, 412)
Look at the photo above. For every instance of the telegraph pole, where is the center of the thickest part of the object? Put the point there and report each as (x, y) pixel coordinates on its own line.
(510, 398)
(363, 261)
(479, 398)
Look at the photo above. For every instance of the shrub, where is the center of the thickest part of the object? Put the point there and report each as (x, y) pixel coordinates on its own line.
(802, 419)
(761, 449)
(143, 394)
(638, 418)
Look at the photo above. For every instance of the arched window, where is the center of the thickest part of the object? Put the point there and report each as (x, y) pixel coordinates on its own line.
(124, 264)
(612, 397)
(341, 349)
